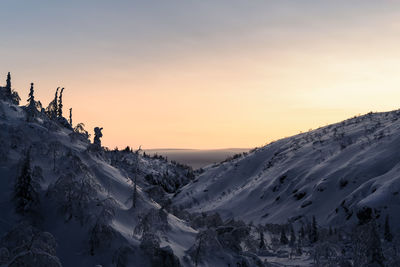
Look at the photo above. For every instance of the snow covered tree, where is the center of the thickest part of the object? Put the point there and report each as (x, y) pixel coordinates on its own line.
(299, 251)
(70, 116)
(54, 146)
(262, 241)
(198, 249)
(326, 254)
(55, 109)
(8, 94)
(55, 101)
(302, 233)
(152, 221)
(158, 256)
(24, 192)
(80, 129)
(31, 108)
(388, 235)
(366, 244)
(136, 171)
(74, 195)
(284, 240)
(313, 231)
(8, 82)
(102, 234)
(97, 136)
(206, 244)
(375, 249)
(15, 97)
(292, 241)
(150, 243)
(31, 98)
(25, 245)
(52, 108)
(60, 104)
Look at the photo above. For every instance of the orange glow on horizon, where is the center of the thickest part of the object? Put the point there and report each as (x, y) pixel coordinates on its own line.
(240, 87)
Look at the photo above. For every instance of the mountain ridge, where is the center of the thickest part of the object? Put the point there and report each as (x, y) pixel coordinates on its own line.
(325, 157)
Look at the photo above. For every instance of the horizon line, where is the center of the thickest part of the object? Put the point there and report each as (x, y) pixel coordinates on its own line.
(198, 149)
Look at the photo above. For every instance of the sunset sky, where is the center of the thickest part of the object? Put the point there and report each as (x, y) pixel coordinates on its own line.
(204, 74)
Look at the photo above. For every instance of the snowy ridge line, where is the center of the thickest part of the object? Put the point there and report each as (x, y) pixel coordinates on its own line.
(308, 174)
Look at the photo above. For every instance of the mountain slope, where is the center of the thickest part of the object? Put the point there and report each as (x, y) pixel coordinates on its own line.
(85, 196)
(332, 172)
(65, 201)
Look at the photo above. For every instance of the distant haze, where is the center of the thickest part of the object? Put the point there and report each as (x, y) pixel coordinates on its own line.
(197, 158)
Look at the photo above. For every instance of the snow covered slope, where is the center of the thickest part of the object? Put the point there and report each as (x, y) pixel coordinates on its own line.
(67, 202)
(331, 172)
(85, 199)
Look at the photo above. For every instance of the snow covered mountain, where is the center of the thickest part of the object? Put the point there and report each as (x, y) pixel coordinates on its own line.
(67, 201)
(333, 172)
(84, 196)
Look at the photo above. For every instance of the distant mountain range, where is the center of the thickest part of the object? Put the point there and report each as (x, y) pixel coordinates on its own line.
(197, 158)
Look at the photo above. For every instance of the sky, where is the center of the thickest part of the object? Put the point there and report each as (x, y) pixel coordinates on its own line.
(204, 74)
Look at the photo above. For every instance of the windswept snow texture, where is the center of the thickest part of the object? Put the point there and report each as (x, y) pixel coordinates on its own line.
(330, 172)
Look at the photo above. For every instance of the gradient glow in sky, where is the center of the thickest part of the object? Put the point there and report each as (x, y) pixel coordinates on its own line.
(204, 74)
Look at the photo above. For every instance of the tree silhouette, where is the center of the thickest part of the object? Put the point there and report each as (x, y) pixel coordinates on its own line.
(80, 129)
(262, 241)
(284, 240)
(292, 236)
(55, 105)
(52, 108)
(31, 98)
(70, 116)
(97, 135)
(314, 231)
(31, 110)
(24, 193)
(8, 85)
(60, 104)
